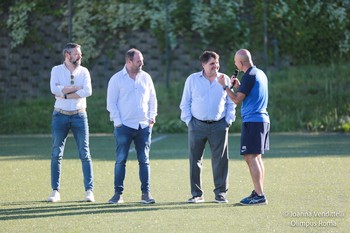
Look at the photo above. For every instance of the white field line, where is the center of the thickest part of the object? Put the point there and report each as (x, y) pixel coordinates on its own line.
(70, 135)
(153, 141)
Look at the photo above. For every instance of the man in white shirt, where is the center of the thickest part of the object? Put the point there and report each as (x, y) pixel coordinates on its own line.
(208, 112)
(70, 84)
(132, 104)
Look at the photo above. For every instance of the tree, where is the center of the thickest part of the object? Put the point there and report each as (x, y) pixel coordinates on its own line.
(311, 32)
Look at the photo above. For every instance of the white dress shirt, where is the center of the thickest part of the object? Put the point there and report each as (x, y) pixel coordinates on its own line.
(206, 101)
(131, 102)
(61, 77)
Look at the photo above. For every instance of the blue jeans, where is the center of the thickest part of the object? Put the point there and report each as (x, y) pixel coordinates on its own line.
(142, 140)
(61, 124)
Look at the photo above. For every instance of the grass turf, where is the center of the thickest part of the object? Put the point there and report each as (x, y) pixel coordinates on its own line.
(307, 185)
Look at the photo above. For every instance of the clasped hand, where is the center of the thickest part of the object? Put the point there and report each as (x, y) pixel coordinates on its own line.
(233, 81)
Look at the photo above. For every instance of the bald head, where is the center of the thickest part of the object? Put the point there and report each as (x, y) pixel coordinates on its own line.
(244, 55)
(243, 59)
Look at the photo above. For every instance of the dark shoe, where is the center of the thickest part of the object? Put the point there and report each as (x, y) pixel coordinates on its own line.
(254, 199)
(116, 199)
(220, 199)
(147, 198)
(253, 194)
(196, 199)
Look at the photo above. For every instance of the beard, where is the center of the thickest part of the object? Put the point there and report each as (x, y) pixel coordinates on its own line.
(76, 62)
(137, 69)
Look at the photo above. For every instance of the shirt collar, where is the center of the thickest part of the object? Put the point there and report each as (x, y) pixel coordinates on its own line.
(202, 75)
(74, 71)
(124, 71)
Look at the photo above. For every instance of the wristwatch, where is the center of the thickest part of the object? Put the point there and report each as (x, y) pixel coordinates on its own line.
(225, 87)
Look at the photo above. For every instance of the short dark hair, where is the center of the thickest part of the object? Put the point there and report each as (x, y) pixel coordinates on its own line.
(68, 48)
(206, 55)
(129, 55)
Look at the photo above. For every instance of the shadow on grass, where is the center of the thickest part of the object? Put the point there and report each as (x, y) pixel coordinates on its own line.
(32, 210)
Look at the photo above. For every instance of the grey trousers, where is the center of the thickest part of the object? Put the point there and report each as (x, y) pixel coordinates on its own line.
(216, 133)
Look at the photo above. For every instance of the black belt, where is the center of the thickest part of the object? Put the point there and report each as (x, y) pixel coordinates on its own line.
(207, 121)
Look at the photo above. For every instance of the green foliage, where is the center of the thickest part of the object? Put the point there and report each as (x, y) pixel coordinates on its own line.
(344, 124)
(168, 119)
(309, 98)
(301, 98)
(218, 24)
(312, 98)
(98, 22)
(17, 21)
(307, 31)
(21, 18)
(26, 116)
(311, 32)
(95, 23)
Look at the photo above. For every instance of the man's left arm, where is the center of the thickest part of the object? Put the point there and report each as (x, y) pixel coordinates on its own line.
(152, 105)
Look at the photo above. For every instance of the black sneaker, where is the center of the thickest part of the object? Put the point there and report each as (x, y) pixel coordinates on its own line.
(220, 199)
(116, 199)
(196, 199)
(254, 199)
(147, 198)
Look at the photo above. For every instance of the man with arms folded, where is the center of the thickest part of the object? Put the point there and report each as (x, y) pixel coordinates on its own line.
(71, 84)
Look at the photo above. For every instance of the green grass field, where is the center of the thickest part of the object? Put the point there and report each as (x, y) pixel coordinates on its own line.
(307, 185)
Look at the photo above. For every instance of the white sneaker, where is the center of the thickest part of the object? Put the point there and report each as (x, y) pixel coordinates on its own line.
(55, 196)
(89, 196)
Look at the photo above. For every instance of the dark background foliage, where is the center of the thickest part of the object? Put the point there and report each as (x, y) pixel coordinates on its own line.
(302, 45)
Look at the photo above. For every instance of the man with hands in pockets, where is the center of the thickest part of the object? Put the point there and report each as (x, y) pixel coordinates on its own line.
(208, 113)
(132, 104)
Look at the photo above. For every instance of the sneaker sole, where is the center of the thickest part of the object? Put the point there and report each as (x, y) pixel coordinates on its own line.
(221, 202)
(89, 200)
(254, 204)
(195, 202)
(115, 203)
(53, 201)
(148, 202)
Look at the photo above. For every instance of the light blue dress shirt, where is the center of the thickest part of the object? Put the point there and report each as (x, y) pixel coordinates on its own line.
(206, 101)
